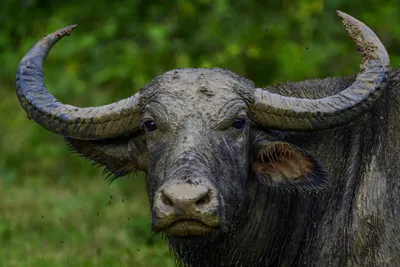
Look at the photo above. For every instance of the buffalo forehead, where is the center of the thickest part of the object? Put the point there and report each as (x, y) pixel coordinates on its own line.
(197, 91)
(210, 82)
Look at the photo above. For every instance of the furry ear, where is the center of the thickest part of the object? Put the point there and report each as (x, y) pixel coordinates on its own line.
(119, 156)
(281, 164)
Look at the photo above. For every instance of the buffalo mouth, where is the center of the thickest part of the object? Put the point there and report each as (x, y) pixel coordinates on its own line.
(188, 227)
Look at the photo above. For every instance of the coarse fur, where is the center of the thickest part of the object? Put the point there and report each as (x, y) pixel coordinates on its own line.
(348, 217)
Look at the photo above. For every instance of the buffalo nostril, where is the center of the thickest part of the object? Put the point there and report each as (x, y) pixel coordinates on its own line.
(166, 200)
(204, 200)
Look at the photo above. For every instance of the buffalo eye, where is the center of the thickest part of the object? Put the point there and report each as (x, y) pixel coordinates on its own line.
(239, 123)
(150, 126)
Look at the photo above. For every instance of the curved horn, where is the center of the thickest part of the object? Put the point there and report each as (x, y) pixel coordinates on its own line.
(294, 114)
(110, 120)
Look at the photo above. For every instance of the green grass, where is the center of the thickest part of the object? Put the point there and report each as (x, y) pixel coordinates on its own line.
(80, 223)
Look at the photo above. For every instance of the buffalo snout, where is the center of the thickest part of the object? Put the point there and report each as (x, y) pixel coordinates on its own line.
(185, 209)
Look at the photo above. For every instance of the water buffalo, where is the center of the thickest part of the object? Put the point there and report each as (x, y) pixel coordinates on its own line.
(298, 174)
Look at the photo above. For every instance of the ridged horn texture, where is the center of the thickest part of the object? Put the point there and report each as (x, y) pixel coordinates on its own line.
(294, 114)
(111, 120)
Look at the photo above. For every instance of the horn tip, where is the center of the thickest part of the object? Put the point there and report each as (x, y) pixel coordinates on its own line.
(365, 39)
(67, 30)
(341, 13)
(345, 17)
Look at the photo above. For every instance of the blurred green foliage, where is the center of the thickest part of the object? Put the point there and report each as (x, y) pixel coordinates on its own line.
(55, 208)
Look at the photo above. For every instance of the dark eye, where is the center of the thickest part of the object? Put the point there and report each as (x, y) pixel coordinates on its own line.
(150, 125)
(239, 123)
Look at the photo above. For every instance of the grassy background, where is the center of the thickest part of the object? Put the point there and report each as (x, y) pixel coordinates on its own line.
(55, 209)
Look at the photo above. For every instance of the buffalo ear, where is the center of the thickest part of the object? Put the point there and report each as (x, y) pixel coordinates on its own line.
(119, 156)
(281, 164)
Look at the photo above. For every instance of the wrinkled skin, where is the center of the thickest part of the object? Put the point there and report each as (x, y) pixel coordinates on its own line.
(194, 142)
